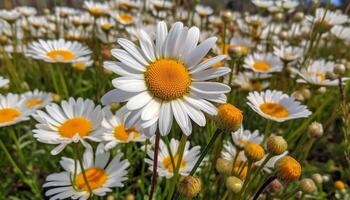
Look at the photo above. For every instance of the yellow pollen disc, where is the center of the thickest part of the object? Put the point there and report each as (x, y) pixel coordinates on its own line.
(97, 11)
(126, 18)
(79, 66)
(274, 110)
(96, 177)
(321, 76)
(240, 48)
(61, 55)
(167, 79)
(8, 114)
(34, 102)
(261, 66)
(77, 125)
(121, 133)
(169, 166)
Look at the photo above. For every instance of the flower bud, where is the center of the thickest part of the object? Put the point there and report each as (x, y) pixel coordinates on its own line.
(56, 97)
(234, 184)
(339, 69)
(130, 197)
(315, 130)
(110, 197)
(299, 16)
(275, 186)
(308, 186)
(317, 178)
(340, 185)
(322, 90)
(288, 169)
(254, 152)
(190, 186)
(306, 93)
(229, 118)
(227, 16)
(298, 96)
(223, 166)
(331, 75)
(276, 145)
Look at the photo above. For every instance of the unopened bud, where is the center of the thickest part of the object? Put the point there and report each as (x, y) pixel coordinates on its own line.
(299, 16)
(339, 69)
(322, 90)
(317, 178)
(276, 145)
(315, 130)
(308, 186)
(234, 184)
(190, 186)
(254, 152)
(130, 197)
(223, 166)
(275, 186)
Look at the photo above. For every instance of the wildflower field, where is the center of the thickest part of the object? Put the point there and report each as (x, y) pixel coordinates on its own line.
(174, 99)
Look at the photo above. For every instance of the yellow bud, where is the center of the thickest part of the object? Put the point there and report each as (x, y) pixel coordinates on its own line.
(229, 118)
(276, 145)
(315, 130)
(340, 185)
(308, 186)
(317, 178)
(190, 186)
(288, 169)
(223, 166)
(254, 152)
(234, 184)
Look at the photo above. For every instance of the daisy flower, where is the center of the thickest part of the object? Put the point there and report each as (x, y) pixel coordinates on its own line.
(102, 175)
(105, 24)
(262, 3)
(243, 136)
(162, 4)
(3, 81)
(124, 18)
(288, 54)
(341, 32)
(263, 63)
(270, 164)
(10, 15)
(73, 121)
(327, 18)
(115, 131)
(57, 51)
(242, 44)
(27, 10)
(316, 73)
(167, 79)
(203, 10)
(96, 9)
(165, 165)
(36, 99)
(83, 64)
(12, 110)
(247, 82)
(129, 4)
(229, 152)
(276, 106)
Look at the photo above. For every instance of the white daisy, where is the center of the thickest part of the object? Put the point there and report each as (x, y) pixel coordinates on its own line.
(167, 79)
(102, 175)
(341, 32)
(203, 10)
(27, 10)
(243, 44)
(12, 110)
(124, 18)
(96, 9)
(58, 51)
(36, 99)
(10, 15)
(165, 165)
(3, 82)
(262, 3)
(276, 106)
(288, 54)
(130, 4)
(161, 4)
(270, 165)
(83, 64)
(115, 131)
(73, 121)
(229, 152)
(105, 24)
(243, 136)
(248, 83)
(327, 18)
(263, 63)
(316, 73)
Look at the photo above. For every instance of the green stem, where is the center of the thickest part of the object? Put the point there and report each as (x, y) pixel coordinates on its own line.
(82, 169)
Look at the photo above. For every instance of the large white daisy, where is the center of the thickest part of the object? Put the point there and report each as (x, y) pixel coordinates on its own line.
(102, 175)
(316, 73)
(73, 121)
(276, 106)
(167, 79)
(58, 51)
(12, 110)
(165, 165)
(263, 63)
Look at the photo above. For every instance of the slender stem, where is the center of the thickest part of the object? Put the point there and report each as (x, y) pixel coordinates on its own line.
(225, 195)
(241, 193)
(268, 127)
(262, 188)
(205, 151)
(82, 169)
(155, 165)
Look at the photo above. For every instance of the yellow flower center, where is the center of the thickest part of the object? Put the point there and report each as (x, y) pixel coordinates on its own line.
(61, 55)
(106, 26)
(321, 76)
(261, 66)
(34, 102)
(77, 125)
(121, 133)
(126, 18)
(169, 166)
(96, 11)
(240, 48)
(274, 109)
(255, 85)
(79, 66)
(96, 177)
(8, 114)
(167, 79)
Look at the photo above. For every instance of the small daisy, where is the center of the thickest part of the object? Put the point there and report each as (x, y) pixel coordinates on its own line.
(327, 18)
(36, 99)
(270, 165)
(248, 83)
(162, 4)
(129, 4)
(96, 9)
(102, 174)
(27, 10)
(203, 10)
(10, 15)
(165, 165)
(115, 131)
(12, 110)
(341, 32)
(242, 44)
(83, 64)
(288, 54)
(166, 79)
(124, 18)
(3, 82)
(263, 63)
(73, 121)
(229, 152)
(276, 106)
(316, 73)
(243, 136)
(57, 51)
(262, 3)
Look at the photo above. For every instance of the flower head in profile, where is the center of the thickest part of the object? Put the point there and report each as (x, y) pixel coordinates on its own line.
(3, 82)
(276, 106)
(72, 121)
(263, 63)
(288, 53)
(166, 164)
(248, 82)
(102, 174)
(243, 136)
(36, 99)
(326, 19)
(167, 79)
(115, 131)
(57, 51)
(316, 73)
(12, 110)
(96, 9)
